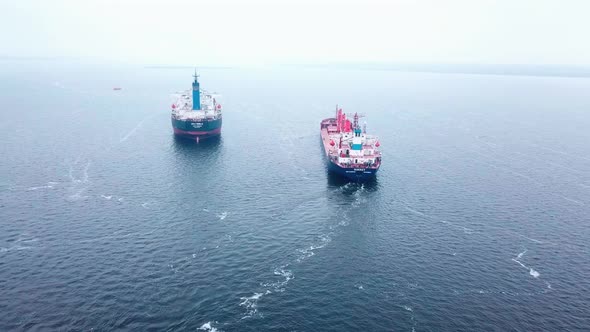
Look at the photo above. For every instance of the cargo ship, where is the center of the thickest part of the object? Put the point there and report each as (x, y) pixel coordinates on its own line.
(196, 114)
(349, 150)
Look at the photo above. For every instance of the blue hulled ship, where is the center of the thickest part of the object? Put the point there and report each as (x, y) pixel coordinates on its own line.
(196, 115)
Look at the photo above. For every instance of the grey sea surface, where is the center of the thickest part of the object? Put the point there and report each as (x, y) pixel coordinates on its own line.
(479, 219)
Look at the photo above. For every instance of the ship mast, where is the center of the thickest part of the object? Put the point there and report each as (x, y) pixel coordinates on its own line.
(196, 76)
(196, 93)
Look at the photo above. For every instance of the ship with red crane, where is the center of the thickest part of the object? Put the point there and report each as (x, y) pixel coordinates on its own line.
(349, 150)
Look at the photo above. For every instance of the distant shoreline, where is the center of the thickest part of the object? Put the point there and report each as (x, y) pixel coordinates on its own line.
(547, 70)
(185, 67)
(475, 69)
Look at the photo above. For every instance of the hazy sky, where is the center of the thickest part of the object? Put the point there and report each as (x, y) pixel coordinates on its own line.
(302, 31)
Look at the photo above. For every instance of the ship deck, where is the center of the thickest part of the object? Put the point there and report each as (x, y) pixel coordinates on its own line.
(328, 128)
(183, 107)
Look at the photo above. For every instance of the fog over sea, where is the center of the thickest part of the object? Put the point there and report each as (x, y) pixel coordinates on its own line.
(478, 220)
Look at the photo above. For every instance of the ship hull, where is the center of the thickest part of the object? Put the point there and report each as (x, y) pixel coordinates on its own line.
(354, 174)
(193, 129)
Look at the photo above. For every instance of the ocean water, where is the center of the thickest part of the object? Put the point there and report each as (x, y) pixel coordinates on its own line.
(479, 219)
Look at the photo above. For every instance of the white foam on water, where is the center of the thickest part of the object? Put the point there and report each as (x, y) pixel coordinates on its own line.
(530, 239)
(77, 196)
(279, 286)
(251, 304)
(222, 215)
(40, 187)
(256, 296)
(532, 271)
(21, 240)
(175, 269)
(308, 252)
(284, 273)
(106, 197)
(520, 263)
(208, 327)
(23, 248)
(358, 197)
(345, 186)
(415, 211)
(84, 177)
(52, 183)
(120, 199)
(75, 183)
(206, 210)
(130, 133)
(16, 247)
(408, 308)
(144, 205)
(194, 255)
(325, 238)
(572, 200)
(519, 235)
(467, 230)
(85, 174)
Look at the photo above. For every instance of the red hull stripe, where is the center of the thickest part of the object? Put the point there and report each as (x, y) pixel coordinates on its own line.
(197, 133)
